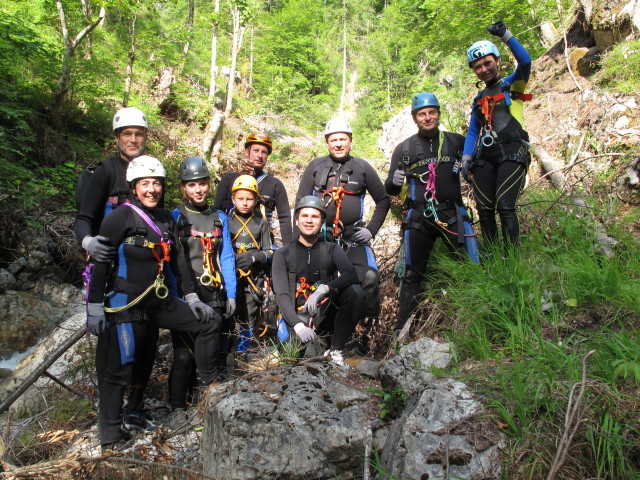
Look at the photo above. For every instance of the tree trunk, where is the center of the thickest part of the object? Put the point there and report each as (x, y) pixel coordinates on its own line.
(132, 56)
(213, 72)
(250, 84)
(192, 11)
(344, 59)
(70, 46)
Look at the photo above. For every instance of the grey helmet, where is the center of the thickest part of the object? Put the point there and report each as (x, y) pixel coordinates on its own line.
(311, 201)
(193, 168)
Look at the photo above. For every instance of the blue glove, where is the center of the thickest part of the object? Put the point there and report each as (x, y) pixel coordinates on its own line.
(311, 305)
(466, 167)
(99, 248)
(231, 307)
(203, 312)
(305, 333)
(96, 320)
(398, 177)
(361, 235)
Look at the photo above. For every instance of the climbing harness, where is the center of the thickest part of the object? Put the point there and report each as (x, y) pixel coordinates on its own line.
(487, 105)
(336, 194)
(158, 285)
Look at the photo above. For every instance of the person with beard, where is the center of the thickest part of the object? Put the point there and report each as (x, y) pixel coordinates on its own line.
(424, 172)
(273, 194)
(315, 284)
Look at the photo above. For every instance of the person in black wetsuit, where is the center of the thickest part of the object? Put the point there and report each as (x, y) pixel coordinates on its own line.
(496, 149)
(305, 273)
(342, 181)
(130, 298)
(204, 235)
(257, 148)
(251, 242)
(424, 172)
(107, 186)
(107, 189)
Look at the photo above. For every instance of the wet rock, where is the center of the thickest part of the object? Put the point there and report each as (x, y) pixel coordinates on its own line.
(17, 266)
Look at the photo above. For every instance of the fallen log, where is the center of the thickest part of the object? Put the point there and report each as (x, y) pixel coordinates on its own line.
(42, 368)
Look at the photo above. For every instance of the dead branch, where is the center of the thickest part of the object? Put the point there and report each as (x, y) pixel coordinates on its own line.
(566, 45)
(62, 348)
(573, 419)
(549, 164)
(143, 463)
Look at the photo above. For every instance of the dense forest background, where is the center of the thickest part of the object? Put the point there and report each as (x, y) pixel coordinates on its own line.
(208, 72)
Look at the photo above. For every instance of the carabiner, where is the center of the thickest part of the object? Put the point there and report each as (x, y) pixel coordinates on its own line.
(488, 138)
(162, 291)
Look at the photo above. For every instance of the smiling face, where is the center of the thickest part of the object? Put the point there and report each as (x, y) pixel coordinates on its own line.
(339, 146)
(196, 191)
(130, 142)
(148, 191)
(427, 119)
(244, 201)
(486, 68)
(309, 221)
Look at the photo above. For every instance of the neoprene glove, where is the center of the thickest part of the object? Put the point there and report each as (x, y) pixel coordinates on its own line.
(99, 248)
(244, 260)
(466, 167)
(203, 312)
(305, 333)
(311, 305)
(398, 177)
(499, 29)
(361, 235)
(231, 307)
(96, 320)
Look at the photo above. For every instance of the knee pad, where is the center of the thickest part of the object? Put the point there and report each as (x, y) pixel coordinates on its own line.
(182, 356)
(413, 276)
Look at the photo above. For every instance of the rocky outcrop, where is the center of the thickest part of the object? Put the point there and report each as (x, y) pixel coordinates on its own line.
(316, 420)
(396, 130)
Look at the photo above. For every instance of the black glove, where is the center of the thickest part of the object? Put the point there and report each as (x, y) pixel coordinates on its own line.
(499, 29)
(466, 167)
(244, 260)
(203, 312)
(398, 177)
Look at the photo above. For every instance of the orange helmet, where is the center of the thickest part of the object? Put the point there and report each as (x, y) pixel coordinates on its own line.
(246, 182)
(261, 138)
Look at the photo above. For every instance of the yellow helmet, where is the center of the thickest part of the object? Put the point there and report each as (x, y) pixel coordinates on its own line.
(261, 138)
(246, 182)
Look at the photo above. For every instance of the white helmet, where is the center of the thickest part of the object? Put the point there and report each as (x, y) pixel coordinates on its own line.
(143, 167)
(337, 125)
(129, 117)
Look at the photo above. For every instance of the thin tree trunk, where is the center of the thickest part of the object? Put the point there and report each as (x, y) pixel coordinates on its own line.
(213, 71)
(70, 46)
(250, 85)
(344, 59)
(132, 56)
(191, 14)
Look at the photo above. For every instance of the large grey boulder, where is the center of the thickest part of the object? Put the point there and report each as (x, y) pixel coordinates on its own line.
(412, 368)
(299, 422)
(443, 433)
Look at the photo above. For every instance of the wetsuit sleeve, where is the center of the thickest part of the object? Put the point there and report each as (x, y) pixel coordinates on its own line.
(223, 194)
(284, 212)
(227, 259)
(92, 206)
(306, 182)
(395, 164)
(472, 135)
(379, 194)
(265, 239)
(280, 283)
(348, 275)
(114, 228)
(523, 71)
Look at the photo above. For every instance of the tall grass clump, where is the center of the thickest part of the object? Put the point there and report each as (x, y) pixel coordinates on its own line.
(522, 322)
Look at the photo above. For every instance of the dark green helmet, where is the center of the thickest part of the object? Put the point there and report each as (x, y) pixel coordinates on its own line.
(193, 168)
(311, 201)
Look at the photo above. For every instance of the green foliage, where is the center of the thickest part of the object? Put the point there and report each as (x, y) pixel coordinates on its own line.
(393, 403)
(621, 67)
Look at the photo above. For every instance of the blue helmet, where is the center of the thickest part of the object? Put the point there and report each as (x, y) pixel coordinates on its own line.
(481, 49)
(424, 99)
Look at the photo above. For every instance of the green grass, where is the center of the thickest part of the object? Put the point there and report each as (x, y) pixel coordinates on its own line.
(528, 317)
